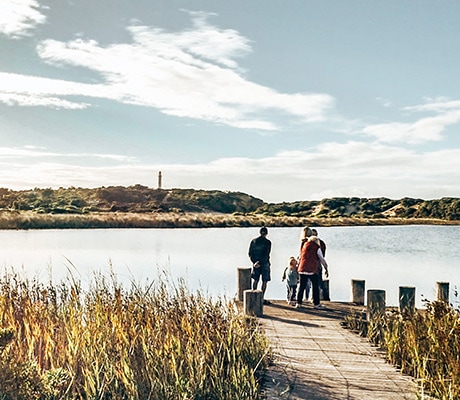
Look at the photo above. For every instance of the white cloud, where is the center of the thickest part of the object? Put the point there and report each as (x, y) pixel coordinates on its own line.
(32, 152)
(334, 169)
(384, 102)
(19, 17)
(16, 89)
(439, 104)
(20, 152)
(207, 42)
(186, 74)
(29, 100)
(424, 130)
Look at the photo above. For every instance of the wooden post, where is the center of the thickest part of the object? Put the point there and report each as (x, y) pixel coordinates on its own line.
(253, 302)
(407, 300)
(357, 290)
(375, 303)
(244, 281)
(443, 291)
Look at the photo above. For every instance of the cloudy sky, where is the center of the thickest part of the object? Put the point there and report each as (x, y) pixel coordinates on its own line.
(283, 100)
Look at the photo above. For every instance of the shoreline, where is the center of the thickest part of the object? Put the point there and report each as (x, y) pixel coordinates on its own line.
(25, 220)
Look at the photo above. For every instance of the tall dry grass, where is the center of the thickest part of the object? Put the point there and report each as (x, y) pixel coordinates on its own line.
(425, 345)
(107, 342)
(96, 220)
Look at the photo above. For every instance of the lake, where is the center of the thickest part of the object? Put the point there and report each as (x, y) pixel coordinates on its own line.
(386, 257)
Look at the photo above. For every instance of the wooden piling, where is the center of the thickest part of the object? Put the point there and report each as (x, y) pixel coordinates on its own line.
(244, 281)
(253, 302)
(407, 300)
(357, 291)
(375, 303)
(443, 291)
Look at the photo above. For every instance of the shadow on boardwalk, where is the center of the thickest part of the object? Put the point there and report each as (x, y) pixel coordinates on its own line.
(316, 358)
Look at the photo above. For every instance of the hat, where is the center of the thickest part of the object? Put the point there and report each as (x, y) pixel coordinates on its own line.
(263, 230)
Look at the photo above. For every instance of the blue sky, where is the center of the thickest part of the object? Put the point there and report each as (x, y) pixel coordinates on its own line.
(283, 100)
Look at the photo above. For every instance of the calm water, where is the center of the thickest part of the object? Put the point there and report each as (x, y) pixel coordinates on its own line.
(385, 257)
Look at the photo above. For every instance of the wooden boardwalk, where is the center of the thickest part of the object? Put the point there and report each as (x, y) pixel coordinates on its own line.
(316, 358)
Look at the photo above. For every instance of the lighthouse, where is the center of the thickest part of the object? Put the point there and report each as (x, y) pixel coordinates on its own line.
(159, 179)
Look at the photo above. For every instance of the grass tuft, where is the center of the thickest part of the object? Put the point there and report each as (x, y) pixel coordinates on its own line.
(155, 342)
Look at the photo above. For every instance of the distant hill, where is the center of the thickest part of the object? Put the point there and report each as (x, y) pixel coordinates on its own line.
(447, 208)
(135, 199)
(141, 199)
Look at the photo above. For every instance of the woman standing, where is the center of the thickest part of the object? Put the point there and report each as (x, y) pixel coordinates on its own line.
(310, 257)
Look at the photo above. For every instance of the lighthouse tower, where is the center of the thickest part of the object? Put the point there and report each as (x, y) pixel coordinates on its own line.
(159, 180)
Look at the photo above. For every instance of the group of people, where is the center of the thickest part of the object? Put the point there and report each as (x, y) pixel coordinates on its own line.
(302, 272)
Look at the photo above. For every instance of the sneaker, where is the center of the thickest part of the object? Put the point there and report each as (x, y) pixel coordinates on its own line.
(292, 303)
(298, 305)
(266, 302)
(318, 306)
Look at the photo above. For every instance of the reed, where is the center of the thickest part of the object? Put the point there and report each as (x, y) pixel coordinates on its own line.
(95, 220)
(156, 341)
(425, 345)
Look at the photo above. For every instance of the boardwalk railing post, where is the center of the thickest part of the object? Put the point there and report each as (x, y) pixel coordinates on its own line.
(407, 300)
(357, 291)
(443, 291)
(244, 281)
(375, 303)
(253, 302)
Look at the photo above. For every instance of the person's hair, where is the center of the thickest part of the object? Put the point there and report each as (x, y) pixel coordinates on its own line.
(306, 233)
(314, 232)
(263, 230)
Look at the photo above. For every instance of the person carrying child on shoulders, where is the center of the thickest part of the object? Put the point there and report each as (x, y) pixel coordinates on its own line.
(310, 257)
(291, 276)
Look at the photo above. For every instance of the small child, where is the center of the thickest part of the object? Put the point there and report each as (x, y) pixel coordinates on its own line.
(291, 276)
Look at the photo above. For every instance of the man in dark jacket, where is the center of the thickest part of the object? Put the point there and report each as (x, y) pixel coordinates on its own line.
(259, 253)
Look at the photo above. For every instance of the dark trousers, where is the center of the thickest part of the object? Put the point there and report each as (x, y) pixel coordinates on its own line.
(291, 292)
(324, 289)
(303, 285)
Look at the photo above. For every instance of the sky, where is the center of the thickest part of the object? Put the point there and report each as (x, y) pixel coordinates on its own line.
(284, 100)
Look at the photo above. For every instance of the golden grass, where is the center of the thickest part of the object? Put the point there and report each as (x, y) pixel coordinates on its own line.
(155, 342)
(33, 220)
(425, 345)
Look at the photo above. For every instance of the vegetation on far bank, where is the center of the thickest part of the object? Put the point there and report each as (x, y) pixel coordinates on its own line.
(154, 342)
(139, 206)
